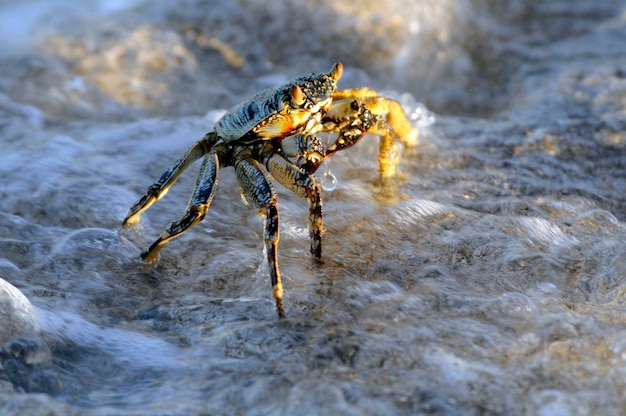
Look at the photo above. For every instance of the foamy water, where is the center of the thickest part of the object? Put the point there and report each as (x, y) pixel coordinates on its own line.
(491, 282)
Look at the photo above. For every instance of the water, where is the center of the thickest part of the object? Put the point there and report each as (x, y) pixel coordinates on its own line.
(491, 282)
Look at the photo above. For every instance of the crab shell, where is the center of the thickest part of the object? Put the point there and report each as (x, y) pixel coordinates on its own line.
(276, 113)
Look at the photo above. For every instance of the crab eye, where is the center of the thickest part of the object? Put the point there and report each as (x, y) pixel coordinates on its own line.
(336, 72)
(297, 96)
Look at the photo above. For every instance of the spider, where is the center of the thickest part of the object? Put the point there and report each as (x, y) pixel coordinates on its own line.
(272, 135)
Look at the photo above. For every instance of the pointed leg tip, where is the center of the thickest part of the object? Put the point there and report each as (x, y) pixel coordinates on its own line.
(130, 221)
(316, 251)
(151, 256)
(280, 309)
(136, 210)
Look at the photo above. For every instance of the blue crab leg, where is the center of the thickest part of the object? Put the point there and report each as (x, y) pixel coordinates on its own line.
(259, 193)
(197, 208)
(298, 181)
(158, 190)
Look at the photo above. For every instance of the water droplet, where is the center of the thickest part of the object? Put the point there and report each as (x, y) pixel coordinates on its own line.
(329, 181)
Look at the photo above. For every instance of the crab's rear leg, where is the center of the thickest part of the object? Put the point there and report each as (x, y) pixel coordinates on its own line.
(260, 195)
(197, 208)
(158, 190)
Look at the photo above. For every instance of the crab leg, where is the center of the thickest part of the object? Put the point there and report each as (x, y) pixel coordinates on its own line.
(158, 190)
(197, 208)
(260, 195)
(298, 181)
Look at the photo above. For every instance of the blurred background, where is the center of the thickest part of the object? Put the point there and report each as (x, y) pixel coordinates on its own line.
(457, 56)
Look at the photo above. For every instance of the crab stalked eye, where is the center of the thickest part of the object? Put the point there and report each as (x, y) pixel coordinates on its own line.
(336, 72)
(297, 96)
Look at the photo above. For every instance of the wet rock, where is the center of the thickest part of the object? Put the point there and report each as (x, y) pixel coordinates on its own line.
(25, 359)
(17, 314)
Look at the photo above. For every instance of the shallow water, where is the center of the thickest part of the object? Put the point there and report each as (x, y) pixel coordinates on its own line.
(491, 283)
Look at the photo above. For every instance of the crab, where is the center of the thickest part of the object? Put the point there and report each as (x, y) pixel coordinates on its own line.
(272, 135)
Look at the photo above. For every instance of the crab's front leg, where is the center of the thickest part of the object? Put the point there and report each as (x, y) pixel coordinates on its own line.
(260, 195)
(299, 181)
(158, 190)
